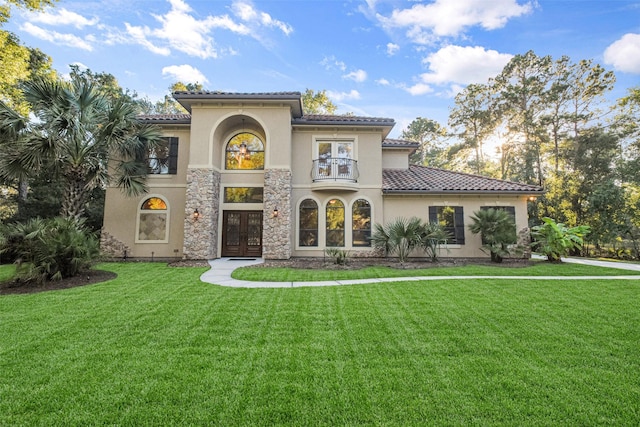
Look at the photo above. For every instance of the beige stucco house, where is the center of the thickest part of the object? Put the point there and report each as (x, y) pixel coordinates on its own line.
(249, 174)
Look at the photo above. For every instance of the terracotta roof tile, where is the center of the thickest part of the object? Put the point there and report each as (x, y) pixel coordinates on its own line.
(166, 118)
(423, 179)
(338, 120)
(399, 143)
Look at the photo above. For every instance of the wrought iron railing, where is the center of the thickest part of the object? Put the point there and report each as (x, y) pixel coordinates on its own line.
(335, 169)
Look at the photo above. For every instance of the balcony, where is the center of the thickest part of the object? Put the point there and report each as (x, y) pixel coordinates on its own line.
(335, 173)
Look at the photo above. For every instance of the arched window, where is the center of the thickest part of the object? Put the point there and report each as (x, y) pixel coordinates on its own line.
(244, 151)
(152, 221)
(335, 223)
(361, 223)
(308, 223)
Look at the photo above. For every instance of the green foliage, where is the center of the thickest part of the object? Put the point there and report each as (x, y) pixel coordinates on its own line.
(340, 256)
(399, 237)
(497, 229)
(431, 136)
(317, 102)
(431, 237)
(555, 240)
(49, 249)
(77, 130)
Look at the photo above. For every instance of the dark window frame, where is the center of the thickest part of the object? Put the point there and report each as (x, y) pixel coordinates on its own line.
(457, 231)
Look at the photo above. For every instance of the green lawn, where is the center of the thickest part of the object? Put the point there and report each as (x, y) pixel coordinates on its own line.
(542, 268)
(158, 347)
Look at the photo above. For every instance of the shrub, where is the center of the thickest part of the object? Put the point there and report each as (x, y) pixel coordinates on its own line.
(497, 229)
(432, 236)
(555, 240)
(339, 256)
(399, 237)
(50, 249)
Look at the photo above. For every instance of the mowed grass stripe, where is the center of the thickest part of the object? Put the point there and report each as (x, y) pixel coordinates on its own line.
(156, 346)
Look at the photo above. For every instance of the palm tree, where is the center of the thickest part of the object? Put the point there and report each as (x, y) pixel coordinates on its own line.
(79, 136)
(497, 229)
(400, 237)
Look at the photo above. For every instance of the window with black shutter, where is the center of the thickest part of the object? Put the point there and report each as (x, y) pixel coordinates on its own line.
(451, 218)
(162, 159)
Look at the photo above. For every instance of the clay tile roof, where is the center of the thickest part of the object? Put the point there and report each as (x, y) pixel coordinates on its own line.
(399, 143)
(423, 179)
(166, 118)
(342, 120)
(220, 94)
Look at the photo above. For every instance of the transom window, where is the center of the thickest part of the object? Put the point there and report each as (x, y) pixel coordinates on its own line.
(243, 194)
(244, 151)
(153, 219)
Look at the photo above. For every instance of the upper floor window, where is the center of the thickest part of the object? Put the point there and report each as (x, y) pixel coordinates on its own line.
(162, 159)
(451, 218)
(244, 151)
(334, 160)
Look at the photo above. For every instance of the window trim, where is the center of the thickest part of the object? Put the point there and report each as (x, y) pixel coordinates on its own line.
(225, 151)
(370, 222)
(172, 157)
(318, 229)
(458, 228)
(139, 211)
(344, 226)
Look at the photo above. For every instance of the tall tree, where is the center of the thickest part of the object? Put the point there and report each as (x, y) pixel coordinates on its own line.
(431, 136)
(76, 131)
(5, 7)
(472, 120)
(317, 102)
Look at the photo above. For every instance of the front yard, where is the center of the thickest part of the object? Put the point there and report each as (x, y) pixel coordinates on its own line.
(157, 346)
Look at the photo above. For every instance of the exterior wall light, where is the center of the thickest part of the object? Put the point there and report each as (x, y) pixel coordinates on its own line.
(275, 213)
(196, 215)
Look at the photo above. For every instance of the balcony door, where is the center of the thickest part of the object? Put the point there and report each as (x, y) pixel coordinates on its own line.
(334, 159)
(242, 233)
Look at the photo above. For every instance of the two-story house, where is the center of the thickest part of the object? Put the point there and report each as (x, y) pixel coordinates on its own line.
(249, 175)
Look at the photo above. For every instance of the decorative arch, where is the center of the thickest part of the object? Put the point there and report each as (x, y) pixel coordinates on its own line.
(152, 225)
(244, 151)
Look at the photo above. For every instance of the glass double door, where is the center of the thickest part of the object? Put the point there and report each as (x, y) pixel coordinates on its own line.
(242, 233)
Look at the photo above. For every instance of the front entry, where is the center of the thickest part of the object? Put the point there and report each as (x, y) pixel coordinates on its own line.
(242, 233)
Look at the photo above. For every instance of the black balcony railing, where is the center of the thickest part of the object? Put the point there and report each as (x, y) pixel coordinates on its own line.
(335, 169)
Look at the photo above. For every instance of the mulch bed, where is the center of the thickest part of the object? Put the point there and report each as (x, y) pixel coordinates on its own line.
(86, 278)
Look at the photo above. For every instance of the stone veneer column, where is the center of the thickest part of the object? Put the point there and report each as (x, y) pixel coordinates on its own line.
(203, 193)
(276, 233)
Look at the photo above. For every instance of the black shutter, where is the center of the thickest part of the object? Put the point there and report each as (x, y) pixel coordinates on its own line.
(458, 218)
(433, 214)
(173, 155)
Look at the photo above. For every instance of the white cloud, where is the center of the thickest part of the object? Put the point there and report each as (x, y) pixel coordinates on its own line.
(184, 73)
(342, 96)
(448, 18)
(59, 38)
(357, 76)
(460, 65)
(624, 53)
(383, 82)
(139, 35)
(392, 49)
(62, 17)
(331, 63)
(247, 12)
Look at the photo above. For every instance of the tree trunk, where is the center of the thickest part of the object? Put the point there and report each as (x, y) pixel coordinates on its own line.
(75, 196)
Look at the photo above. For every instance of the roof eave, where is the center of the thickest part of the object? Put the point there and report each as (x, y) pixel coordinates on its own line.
(467, 192)
(294, 99)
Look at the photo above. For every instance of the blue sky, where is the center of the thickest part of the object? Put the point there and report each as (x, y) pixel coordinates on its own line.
(397, 59)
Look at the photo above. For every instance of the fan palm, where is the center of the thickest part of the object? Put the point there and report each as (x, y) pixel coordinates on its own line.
(78, 135)
(399, 237)
(497, 229)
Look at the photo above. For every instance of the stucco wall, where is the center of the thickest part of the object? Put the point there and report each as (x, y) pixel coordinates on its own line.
(408, 206)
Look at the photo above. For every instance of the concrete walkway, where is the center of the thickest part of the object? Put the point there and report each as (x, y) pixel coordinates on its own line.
(221, 269)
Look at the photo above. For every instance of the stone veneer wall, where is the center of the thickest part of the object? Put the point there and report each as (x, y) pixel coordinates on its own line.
(276, 233)
(203, 193)
(113, 247)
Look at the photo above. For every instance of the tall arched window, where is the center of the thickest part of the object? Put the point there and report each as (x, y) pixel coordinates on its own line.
(153, 220)
(335, 223)
(244, 151)
(361, 223)
(308, 223)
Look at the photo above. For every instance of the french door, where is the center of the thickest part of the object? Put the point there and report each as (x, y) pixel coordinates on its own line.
(242, 233)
